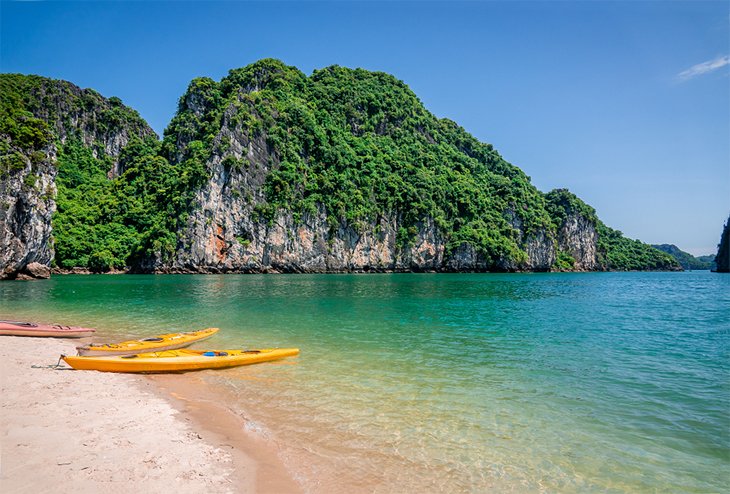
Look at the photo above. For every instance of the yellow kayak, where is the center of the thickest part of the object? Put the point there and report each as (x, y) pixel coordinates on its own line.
(170, 341)
(179, 360)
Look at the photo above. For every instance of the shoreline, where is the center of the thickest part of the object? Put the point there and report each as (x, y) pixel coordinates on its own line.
(376, 271)
(94, 431)
(201, 403)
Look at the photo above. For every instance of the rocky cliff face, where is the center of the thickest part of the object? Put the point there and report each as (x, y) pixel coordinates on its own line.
(226, 233)
(26, 207)
(577, 236)
(228, 239)
(42, 113)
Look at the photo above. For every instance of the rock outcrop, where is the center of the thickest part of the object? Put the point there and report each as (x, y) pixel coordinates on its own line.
(40, 114)
(26, 208)
(578, 237)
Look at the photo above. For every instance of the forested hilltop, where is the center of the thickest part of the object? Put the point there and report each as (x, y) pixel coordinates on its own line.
(685, 259)
(271, 170)
(59, 166)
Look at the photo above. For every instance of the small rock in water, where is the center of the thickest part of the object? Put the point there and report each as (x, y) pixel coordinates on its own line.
(38, 270)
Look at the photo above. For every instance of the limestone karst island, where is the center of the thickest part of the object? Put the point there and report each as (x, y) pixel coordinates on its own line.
(270, 170)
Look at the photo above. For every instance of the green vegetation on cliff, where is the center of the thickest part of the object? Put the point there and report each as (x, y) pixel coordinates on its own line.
(617, 252)
(103, 223)
(613, 250)
(355, 144)
(100, 222)
(87, 227)
(36, 110)
(23, 135)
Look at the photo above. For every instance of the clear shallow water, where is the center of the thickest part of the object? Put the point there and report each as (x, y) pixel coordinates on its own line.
(601, 382)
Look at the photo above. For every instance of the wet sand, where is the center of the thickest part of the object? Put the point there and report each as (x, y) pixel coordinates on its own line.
(226, 429)
(86, 431)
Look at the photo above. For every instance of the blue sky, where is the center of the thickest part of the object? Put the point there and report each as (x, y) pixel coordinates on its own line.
(627, 104)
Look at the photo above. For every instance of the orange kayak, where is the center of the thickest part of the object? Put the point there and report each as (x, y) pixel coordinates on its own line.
(18, 328)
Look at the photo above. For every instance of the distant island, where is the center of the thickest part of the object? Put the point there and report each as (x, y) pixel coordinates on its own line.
(270, 170)
(687, 260)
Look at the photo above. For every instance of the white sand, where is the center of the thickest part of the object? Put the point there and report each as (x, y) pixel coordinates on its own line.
(95, 432)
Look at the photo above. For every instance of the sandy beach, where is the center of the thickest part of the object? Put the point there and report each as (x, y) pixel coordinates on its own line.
(84, 431)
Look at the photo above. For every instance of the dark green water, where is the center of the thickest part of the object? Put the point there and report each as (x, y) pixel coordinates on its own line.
(601, 382)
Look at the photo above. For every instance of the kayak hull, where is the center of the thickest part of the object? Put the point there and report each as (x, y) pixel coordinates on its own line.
(163, 342)
(12, 328)
(179, 360)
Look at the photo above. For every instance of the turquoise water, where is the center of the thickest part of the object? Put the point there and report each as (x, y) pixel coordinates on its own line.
(596, 382)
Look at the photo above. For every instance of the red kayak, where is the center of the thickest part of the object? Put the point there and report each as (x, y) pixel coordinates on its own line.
(17, 328)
